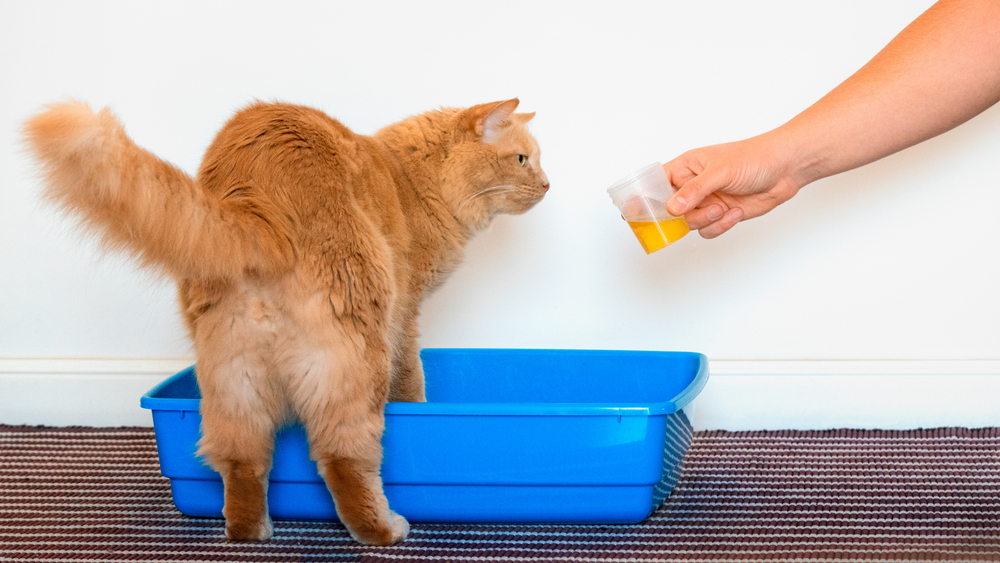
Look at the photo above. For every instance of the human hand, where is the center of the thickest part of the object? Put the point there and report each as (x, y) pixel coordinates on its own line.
(721, 185)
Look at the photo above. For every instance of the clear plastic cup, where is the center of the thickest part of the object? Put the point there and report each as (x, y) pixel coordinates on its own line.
(642, 199)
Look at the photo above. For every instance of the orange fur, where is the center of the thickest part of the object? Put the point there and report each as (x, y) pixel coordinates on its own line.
(302, 252)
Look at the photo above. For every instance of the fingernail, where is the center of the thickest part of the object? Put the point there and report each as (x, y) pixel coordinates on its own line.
(736, 215)
(714, 212)
(676, 205)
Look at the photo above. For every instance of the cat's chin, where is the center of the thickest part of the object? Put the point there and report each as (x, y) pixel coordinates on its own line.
(519, 207)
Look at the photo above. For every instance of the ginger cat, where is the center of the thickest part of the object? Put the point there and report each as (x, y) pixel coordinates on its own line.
(301, 252)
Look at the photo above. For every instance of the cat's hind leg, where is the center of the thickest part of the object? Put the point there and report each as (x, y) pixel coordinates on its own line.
(241, 408)
(341, 402)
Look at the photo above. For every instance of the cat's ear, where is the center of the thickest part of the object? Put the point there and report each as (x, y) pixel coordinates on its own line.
(523, 118)
(486, 119)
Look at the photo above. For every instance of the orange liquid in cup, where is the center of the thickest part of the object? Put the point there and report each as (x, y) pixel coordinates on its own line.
(654, 235)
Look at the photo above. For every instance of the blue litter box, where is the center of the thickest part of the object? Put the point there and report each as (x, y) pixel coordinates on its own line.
(546, 436)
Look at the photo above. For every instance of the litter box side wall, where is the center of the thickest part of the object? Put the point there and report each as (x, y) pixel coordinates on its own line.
(177, 434)
(610, 486)
(679, 434)
(462, 450)
(611, 450)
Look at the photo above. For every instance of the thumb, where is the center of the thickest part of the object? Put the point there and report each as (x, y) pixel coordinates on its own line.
(688, 196)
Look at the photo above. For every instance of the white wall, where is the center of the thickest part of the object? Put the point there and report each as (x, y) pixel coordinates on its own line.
(894, 261)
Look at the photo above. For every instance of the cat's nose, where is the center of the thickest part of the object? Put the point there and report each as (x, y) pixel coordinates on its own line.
(545, 186)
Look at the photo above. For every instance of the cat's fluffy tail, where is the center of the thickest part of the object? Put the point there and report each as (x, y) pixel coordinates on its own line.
(135, 202)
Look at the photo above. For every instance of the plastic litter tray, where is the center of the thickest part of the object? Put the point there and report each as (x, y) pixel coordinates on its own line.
(556, 436)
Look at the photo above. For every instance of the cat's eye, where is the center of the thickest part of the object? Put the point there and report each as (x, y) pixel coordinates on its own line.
(522, 160)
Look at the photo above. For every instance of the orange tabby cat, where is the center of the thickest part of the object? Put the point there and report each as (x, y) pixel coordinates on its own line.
(301, 253)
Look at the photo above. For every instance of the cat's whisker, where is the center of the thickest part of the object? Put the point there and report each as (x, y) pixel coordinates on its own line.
(468, 199)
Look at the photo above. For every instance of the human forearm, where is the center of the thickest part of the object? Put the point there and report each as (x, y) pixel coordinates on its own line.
(939, 72)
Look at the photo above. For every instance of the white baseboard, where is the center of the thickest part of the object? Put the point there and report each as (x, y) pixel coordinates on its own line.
(80, 392)
(740, 395)
(822, 394)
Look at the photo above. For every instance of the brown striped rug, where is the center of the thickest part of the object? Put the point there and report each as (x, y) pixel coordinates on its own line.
(94, 494)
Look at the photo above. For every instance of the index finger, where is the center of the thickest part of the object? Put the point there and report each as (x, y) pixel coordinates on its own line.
(694, 191)
(681, 170)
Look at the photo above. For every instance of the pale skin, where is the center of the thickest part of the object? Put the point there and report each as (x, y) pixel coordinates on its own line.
(939, 72)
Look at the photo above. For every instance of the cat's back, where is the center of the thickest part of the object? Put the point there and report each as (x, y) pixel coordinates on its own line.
(332, 191)
(285, 151)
